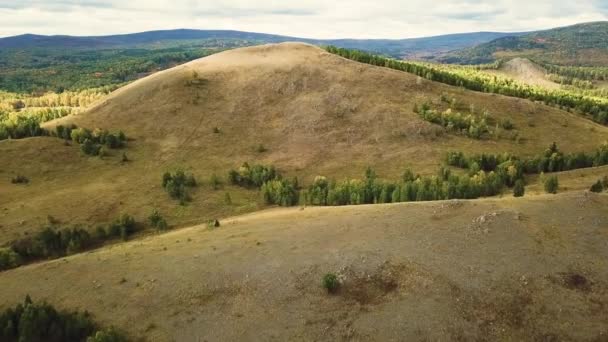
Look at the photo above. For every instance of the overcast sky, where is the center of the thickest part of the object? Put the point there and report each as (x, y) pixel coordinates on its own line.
(304, 18)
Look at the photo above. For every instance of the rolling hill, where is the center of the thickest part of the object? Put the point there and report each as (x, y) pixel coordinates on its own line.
(583, 44)
(313, 112)
(154, 39)
(493, 269)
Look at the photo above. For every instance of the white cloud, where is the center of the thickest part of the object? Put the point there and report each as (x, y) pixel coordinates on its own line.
(307, 18)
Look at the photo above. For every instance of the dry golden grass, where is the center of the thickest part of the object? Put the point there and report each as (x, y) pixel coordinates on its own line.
(316, 113)
(494, 269)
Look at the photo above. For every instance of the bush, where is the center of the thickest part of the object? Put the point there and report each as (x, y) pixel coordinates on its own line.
(19, 179)
(215, 182)
(551, 184)
(597, 187)
(9, 259)
(252, 176)
(176, 185)
(157, 221)
(519, 188)
(331, 283)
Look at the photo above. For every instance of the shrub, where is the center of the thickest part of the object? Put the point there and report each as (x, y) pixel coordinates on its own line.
(216, 130)
(597, 187)
(215, 182)
(261, 148)
(157, 221)
(20, 179)
(176, 185)
(123, 227)
(507, 124)
(331, 282)
(252, 176)
(519, 188)
(551, 184)
(9, 259)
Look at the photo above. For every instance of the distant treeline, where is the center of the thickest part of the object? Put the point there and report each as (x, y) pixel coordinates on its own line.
(472, 79)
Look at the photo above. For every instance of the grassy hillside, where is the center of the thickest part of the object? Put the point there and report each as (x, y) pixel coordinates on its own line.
(582, 44)
(314, 113)
(504, 269)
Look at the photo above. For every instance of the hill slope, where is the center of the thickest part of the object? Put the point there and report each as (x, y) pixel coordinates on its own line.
(511, 269)
(582, 44)
(315, 113)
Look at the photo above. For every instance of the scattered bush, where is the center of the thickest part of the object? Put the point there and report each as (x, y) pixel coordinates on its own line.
(227, 198)
(551, 184)
(261, 148)
(91, 142)
(33, 322)
(519, 188)
(177, 184)
(157, 221)
(331, 283)
(216, 130)
(20, 179)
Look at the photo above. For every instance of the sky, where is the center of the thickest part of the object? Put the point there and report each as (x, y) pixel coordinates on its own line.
(321, 19)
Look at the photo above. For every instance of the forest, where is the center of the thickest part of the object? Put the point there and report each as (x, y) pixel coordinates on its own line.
(470, 78)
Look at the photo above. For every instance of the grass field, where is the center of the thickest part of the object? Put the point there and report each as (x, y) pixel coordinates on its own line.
(491, 269)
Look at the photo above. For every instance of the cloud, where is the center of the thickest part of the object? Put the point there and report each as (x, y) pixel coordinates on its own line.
(306, 18)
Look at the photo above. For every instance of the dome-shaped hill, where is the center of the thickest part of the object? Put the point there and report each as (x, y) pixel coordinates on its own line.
(292, 105)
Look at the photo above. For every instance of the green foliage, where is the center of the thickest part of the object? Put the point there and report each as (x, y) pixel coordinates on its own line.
(597, 186)
(551, 184)
(468, 125)
(177, 184)
(40, 70)
(92, 142)
(37, 322)
(331, 283)
(227, 199)
(552, 160)
(471, 78)
(252, 176)
(22, 127)
(108, 335)
(215, 182)
(507, 124)
(371, 190)
(519, 188)
(123, 227)
(279, 191)
(9, 259)
(157, 221)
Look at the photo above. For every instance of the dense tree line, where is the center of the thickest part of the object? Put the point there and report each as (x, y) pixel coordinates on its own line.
(37, 322)
(410, 188)
(22, 127)
(54, 242)
(468, 125)
(472, 79)
(91, 142)
(552, 160)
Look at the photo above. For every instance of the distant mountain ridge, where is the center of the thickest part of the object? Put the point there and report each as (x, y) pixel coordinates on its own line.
(393, 47)
(580, 44)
